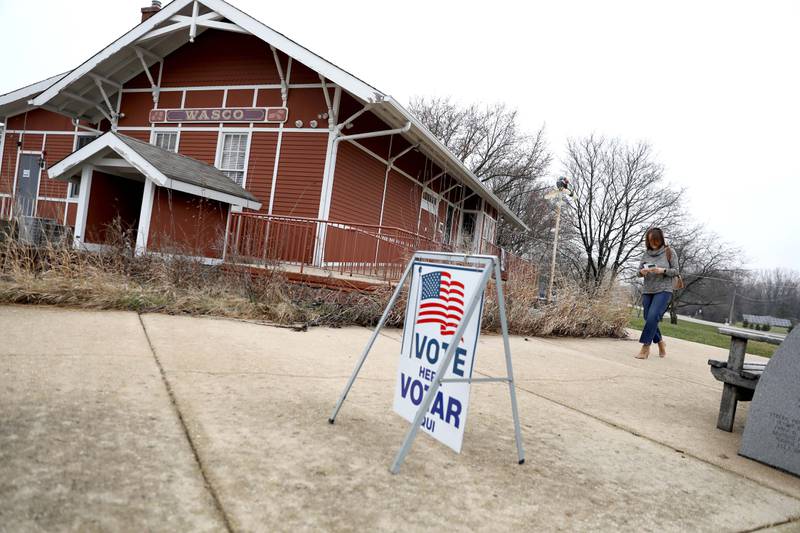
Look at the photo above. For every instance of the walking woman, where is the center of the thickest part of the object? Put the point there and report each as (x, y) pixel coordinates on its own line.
(658, 266)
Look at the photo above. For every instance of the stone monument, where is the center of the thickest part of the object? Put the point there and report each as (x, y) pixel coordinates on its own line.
(772, 431)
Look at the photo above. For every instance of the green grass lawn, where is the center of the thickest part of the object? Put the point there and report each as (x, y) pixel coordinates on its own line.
(701, 333)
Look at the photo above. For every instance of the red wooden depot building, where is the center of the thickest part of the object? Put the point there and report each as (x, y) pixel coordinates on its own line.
(208, 133)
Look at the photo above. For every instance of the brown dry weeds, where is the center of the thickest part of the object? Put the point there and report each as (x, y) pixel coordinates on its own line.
(118, 279)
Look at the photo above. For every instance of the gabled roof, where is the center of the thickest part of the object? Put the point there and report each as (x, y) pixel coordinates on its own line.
(79, 93)
(16, 102)
(119, 64)
(164, 168)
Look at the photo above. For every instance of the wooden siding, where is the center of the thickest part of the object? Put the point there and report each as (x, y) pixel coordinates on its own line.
(307, 105)
(221, 58)
(72, 211)
(57, 148)
(270, 98)
(401, 209)
(261, 166)
(240, 98)
(141, 135)
(200, 145)
(51, 210)
(32, 142)
(9, 163)
(203, 99)
(167, 99)
(40, 119)
(300, 169)
(186, 224)
(357, 186)
(136, 107)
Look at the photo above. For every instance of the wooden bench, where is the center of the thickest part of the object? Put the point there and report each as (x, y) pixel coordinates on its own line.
(739, 378)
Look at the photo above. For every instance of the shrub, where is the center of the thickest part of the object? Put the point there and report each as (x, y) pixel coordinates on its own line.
(745, 323)
(57, 274)
(767, 327)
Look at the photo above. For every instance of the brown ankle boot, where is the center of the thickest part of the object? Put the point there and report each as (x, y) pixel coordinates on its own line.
(644, 353)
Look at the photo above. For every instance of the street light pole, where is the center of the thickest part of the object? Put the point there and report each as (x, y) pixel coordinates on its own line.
(562, 188)
(555, 247)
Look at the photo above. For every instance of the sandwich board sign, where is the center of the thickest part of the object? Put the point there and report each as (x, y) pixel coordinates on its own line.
(435, 308)
(440, 337)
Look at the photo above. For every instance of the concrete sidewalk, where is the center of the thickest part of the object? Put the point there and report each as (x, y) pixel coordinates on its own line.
(111, 421)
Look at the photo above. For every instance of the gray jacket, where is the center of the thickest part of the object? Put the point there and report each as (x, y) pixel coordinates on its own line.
(654, 283)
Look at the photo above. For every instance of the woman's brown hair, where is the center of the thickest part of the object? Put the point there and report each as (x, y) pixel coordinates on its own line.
(658, 236)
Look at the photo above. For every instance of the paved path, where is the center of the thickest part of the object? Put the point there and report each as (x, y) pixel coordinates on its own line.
(111, 421)
(705, 322)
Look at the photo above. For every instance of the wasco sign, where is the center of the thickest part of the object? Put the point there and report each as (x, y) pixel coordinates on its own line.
(221, 114)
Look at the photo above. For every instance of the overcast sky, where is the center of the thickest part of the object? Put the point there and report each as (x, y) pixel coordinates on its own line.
(713, 85)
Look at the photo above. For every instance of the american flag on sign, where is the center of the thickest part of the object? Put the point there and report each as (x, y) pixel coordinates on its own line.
(441, 302)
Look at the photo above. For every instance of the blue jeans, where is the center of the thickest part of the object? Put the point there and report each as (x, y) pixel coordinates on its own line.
(654, 306)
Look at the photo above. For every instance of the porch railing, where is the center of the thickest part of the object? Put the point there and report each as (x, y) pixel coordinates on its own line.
(346, 248)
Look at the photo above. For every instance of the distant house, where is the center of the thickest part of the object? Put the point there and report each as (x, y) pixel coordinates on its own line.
(322, 167)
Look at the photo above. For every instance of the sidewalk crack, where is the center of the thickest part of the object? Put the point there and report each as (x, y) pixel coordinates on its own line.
(206, 481)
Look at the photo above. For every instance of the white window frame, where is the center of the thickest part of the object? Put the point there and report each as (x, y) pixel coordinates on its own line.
(74, 191)
(82, 135)
(448, 231)
(160, 131)
(475, 241)
(221, 143)
(428, 205)
(487, 221)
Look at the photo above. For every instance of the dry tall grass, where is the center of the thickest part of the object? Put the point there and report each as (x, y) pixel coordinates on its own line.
(116, 278)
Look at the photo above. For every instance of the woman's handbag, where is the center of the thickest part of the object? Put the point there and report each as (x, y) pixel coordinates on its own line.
(677, 281)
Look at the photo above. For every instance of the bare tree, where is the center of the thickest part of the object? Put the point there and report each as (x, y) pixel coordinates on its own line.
(619, 192)
(488, 140)
(773, 292)
(709, 266)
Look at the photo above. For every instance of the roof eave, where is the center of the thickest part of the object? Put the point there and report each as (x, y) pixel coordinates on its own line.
(18, 101)
(129, 38)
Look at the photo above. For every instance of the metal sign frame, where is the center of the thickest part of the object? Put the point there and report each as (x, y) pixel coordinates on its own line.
(491, 265)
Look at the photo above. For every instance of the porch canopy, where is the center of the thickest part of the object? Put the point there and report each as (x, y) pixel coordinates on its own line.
(126, 177)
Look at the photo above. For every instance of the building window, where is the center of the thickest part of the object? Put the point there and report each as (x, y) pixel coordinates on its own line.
(489, 229)
(75, 188)
(167, 141)
(448, 224)
(430, 202)
(83, 140)
(233, 157)
(467, 238)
